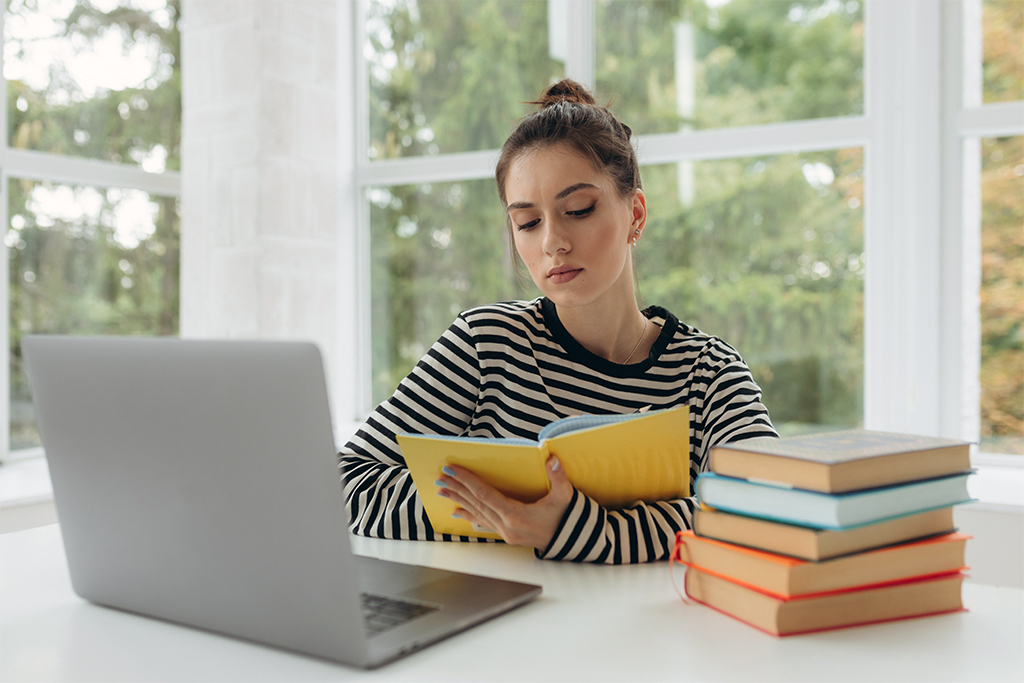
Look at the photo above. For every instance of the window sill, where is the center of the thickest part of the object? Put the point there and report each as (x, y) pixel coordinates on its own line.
(25, 480)
(996, 487)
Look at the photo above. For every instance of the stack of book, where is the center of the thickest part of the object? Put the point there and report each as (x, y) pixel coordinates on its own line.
(824, 531)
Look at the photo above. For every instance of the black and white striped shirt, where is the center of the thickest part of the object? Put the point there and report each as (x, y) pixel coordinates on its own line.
(507, 370)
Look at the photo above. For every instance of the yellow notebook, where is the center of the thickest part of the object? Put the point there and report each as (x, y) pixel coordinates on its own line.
(615, 459)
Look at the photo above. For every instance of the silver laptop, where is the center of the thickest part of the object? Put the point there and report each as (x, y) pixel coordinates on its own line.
(197, 482)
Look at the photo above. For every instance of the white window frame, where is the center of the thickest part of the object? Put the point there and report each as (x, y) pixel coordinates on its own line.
(922, 247)
(58, 168)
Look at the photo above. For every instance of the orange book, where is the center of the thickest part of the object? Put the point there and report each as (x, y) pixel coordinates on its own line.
(858, 607)
(786, 577)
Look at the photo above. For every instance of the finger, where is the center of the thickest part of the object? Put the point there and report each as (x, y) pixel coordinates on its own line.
(471, 509)
(466, 502)
(472, 488)
(560, 484)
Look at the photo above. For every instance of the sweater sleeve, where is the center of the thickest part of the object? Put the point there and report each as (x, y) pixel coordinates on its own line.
(725, 405)
(437, 397)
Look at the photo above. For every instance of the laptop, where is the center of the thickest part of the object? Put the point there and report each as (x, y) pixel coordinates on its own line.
(197, 482)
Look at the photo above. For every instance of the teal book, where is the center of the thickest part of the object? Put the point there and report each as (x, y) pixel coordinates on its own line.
(829, 510)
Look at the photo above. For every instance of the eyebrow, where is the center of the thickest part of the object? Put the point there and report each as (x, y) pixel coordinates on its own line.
(561, 195)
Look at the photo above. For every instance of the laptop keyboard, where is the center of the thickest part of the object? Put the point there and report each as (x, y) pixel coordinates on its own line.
(381, 613)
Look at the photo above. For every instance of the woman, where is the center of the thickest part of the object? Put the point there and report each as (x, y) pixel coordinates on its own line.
(569, 180)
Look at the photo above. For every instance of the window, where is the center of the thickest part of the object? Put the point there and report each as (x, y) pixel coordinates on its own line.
(1000, 174)
(990, 133)
(821, 195)
(89, 174)
(762, 247)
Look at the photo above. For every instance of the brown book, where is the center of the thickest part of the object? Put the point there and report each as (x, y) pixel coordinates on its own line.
(837, 462)
(789, 577)
(782, 616)
(819, 544)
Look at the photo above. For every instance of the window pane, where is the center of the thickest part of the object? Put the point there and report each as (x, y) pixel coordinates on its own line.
(1003, 46)
(671, 64)
(86, 260)
(768, 254)
(89, 83)
(450, 75)
(1002, 295)
(436, 250)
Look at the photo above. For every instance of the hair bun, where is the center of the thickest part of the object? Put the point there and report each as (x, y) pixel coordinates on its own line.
(565, 90)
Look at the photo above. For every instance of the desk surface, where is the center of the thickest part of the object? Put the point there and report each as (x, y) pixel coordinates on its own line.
(592, 623)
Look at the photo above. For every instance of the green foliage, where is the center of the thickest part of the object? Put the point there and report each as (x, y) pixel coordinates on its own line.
(752, 62)
(1002, 295)
(452, 75)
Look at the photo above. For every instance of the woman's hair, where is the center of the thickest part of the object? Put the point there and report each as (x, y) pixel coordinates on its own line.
(567, 115)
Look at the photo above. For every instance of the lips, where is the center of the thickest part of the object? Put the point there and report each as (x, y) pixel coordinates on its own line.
(562, 274)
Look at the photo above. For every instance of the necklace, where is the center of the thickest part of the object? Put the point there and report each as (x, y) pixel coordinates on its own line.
(646, 320)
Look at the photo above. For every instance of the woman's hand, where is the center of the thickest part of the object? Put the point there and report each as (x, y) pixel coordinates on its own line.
(529, 524)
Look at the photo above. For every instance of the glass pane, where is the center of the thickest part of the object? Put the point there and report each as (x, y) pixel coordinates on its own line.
(85, 260)
(768, 254)
(1002, 295)
(99, 80)
(436, 250)
(452, 75)
(1003, 50)
(672, 65)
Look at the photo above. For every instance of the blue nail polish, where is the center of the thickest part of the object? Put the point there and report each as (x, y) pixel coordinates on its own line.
(448, 470)
(456, 515)
(440, 484)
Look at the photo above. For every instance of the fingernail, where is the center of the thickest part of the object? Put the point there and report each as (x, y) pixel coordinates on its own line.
(456, 515)
(554, 464)
(440, 484)
(448, 470)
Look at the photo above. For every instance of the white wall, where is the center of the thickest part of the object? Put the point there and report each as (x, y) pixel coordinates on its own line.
(260, 170)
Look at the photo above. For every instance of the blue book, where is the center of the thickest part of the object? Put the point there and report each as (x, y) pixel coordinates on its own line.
(829, 510)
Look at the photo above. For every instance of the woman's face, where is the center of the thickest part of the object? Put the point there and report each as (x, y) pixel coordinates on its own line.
(571, 228)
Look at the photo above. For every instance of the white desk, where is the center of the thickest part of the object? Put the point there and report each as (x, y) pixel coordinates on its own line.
(592, 623)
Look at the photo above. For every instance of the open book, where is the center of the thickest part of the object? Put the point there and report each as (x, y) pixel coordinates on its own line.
(617, 460)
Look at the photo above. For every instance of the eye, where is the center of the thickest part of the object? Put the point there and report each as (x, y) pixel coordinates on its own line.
(529, 226)
(582, 213)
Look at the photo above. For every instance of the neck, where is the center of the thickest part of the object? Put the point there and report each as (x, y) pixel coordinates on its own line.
(618, 334)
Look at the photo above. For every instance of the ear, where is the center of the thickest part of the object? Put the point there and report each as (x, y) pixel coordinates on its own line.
(639, 211)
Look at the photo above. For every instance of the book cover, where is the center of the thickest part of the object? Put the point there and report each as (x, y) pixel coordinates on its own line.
(818, 544)
(617, 460)
(836, 462)
(829, 510)
(791, 616)
(787, 577)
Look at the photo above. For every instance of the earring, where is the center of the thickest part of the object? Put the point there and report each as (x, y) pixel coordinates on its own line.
(637, 236)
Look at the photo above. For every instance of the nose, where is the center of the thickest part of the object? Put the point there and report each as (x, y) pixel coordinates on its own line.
(556, 238)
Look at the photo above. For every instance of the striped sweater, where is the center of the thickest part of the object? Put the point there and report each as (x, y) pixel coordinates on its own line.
(507, 370)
